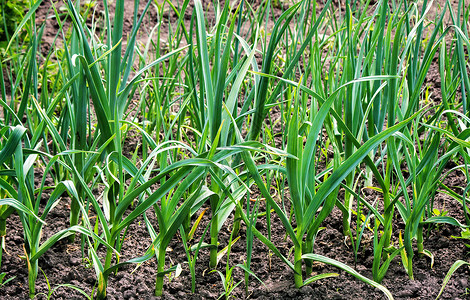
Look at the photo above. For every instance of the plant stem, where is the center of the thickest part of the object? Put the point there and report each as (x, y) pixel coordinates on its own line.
(109, 256)
(74, 212)
(419, 235)
(360, 205)
(387, 216)
(298, 266)
(102, 285)
(3, 229)
(214, 238)
(214, 231)
(308, 262)
(102, 280)
(410, 266)
(32, 275)
(346, 217)
(161, 268)
(237, 218)
(2, 242)
(192, 270)
(187, 225)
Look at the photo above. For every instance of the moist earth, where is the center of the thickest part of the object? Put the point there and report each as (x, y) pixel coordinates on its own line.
(63, 263)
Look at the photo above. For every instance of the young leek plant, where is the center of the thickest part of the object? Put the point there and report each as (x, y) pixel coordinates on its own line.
(421, 161)
(193, 258)
(301, 179)
(457, 148)
(168, 223)
(300, 184)
(110, 97)
(411, 91)
(114, 223)
(426, 170)
(228, 280)
(28, 200)
(214, 98)
(218, 125)
(323, 192)
(361, 100)
(10, 137)
(110, 215)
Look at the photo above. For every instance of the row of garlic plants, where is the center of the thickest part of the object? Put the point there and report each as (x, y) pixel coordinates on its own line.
(347, 81)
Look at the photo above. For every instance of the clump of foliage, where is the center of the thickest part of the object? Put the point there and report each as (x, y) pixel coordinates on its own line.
(353, 114)
(11, 14)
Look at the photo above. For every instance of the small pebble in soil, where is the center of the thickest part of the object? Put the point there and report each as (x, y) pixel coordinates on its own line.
(110, 291)
(75, 261)
(60, 294)
(17, 239)
(464, 282)
(141, 288)
(443, 242)
(170, 297)
(125, 285)
(6, 260)
(291, 293)
(71, 275)
(176, 286)
(306, 290)
(181, 295)
(75, 282)
(406, 293)
(130, 293)
(336, 296)
(411, 290)
(206, 294)
(90, 279)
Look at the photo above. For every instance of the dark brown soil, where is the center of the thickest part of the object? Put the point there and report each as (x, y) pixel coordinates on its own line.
(63, 262)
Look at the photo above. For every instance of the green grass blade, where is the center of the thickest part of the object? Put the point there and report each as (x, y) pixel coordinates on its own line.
(347, 166)
(13, 141)
(26, 18)
(333, 262)
(452, 270)
(20, 207)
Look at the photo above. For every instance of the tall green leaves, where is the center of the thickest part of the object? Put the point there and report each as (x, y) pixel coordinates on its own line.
(328, 101)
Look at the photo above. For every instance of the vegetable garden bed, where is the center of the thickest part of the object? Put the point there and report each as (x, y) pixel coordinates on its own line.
(262, 150)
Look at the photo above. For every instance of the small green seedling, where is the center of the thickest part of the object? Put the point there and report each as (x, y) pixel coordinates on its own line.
(2, 278)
